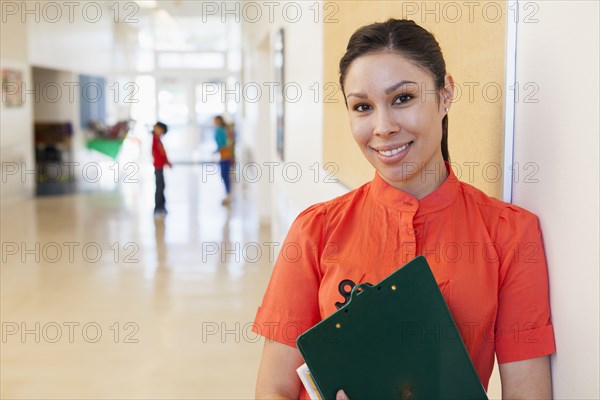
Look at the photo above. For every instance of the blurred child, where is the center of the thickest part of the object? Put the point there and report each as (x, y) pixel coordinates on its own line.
(160, 160)
(225, 149)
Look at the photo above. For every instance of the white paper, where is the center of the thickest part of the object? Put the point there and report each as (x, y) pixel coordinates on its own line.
(309, 383)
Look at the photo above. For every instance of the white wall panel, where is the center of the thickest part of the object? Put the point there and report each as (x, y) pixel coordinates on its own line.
(556, 154)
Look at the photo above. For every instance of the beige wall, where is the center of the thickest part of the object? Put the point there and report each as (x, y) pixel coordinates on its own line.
(76, 42)
(16, 124)
(558, 136)
(473, 41)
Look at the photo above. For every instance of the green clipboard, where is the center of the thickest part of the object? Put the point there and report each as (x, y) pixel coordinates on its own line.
(394, 340)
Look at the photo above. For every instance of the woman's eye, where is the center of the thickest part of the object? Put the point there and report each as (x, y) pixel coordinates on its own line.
(361, 107)
(403, 98)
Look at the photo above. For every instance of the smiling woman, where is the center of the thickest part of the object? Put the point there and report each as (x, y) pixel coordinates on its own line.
(474, 51)
(396, 113)
(488, 254)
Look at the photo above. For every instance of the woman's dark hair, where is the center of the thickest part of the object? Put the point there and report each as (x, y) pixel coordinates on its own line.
(408, 39)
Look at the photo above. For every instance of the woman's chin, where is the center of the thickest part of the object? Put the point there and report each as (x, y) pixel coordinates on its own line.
(398, 172)
(395, 177)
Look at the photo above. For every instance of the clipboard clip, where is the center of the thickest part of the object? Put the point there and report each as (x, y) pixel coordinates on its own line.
(359, 290)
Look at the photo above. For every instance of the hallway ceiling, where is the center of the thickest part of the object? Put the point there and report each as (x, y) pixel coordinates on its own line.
(179, 25)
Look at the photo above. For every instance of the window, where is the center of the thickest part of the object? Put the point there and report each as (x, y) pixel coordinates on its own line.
(191, 60)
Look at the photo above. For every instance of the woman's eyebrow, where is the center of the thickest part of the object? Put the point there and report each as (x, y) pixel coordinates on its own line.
(387, 91)
(397, 85)
(359, 95)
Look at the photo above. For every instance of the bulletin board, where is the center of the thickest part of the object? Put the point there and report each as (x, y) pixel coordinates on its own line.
(472, 38)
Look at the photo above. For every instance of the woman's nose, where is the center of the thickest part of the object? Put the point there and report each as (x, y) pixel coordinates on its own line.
(385, 124)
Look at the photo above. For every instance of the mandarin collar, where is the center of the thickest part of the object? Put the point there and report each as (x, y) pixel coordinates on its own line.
(398, 200)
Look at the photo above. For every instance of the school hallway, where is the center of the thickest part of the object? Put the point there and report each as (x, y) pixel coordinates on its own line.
(102, 300)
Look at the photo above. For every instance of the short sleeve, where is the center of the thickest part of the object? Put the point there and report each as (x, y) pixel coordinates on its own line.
(290, 305)
(523, 327)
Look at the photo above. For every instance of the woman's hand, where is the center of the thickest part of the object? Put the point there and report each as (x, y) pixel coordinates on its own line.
(341, 395)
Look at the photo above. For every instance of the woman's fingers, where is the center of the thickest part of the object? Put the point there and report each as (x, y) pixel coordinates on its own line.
(341, 395)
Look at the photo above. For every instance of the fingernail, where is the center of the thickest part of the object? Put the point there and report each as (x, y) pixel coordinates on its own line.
(341, 395)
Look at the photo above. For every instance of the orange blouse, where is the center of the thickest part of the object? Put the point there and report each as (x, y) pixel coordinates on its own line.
(486, 255)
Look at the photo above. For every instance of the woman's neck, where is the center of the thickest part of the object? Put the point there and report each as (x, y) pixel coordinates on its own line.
(424, 182)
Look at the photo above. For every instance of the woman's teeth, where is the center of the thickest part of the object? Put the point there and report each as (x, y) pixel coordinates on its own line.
(389, 153)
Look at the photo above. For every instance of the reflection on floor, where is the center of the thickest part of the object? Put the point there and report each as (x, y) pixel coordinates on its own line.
(101, 300)
(55, 188)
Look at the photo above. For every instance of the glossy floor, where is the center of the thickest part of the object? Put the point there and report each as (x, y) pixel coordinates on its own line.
(101, 300)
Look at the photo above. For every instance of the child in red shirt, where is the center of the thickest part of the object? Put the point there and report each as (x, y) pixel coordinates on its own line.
(160, 160)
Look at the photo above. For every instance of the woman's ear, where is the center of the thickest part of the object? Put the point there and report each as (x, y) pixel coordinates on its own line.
(448, 91)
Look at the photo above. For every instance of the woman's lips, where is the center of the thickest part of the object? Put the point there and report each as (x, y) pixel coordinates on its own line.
(393, 154)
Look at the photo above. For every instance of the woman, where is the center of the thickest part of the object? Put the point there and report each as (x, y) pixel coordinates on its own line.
(486, 255)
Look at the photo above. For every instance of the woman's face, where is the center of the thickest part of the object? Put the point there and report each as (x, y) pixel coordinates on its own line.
(396, 119)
